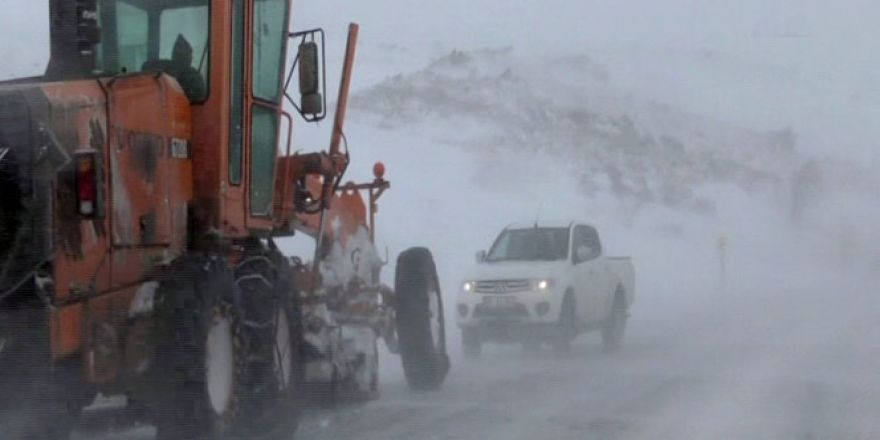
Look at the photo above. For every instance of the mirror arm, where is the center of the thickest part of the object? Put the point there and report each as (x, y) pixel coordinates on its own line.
(293, 103)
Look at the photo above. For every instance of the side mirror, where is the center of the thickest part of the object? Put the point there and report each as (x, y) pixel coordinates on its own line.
(480, 256)
(311, 102)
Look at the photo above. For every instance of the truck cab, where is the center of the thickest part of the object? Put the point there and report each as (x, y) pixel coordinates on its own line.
(544, 283)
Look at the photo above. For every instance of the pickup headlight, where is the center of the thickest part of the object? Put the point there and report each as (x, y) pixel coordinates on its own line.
(467, 286)
(543, 284)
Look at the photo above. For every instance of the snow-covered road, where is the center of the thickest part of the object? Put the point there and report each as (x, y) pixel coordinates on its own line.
(790, 350)
(786, 363)
(796, 364)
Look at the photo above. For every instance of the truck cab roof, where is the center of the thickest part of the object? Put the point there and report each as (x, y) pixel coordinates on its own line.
(551, 223)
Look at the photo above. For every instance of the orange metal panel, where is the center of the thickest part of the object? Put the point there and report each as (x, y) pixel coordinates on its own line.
(347, 212)
(65, 328)
(147, 185)
(150, 132)
(79, 121)
(219, 205)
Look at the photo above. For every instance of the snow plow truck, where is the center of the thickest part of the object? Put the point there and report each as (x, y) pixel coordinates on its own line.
(144, 180)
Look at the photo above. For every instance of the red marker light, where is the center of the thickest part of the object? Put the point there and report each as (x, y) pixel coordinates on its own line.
(379, 170)
(86, 184)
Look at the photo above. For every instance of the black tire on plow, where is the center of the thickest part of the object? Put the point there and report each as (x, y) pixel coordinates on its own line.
(420, 322)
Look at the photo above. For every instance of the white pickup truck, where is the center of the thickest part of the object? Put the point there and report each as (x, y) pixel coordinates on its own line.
(545, 284)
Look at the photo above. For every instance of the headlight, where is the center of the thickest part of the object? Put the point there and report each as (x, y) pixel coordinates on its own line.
(468, 286)
(543, 284)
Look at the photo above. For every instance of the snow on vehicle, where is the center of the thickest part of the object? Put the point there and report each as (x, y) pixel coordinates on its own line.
(142, 190)
(545, 283)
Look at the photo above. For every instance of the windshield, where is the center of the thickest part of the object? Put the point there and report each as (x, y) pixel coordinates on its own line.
(530, 244)
(156, 35)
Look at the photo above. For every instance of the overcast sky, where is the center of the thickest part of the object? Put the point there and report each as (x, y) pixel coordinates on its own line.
(741, 24)
(833, 28)
(832, 47)
(829, 49)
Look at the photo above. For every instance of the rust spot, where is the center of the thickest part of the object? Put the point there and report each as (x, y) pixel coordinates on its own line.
(68, 223)
(145, 151)
(96, 137)
(97, 141)
(148, 228)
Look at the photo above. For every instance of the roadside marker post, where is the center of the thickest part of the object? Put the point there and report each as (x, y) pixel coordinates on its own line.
(722, 261)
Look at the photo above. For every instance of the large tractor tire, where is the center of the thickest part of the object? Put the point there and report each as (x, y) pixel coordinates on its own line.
(420, 324)
(273, 328)
(202, 358)
(230, 360)
(12, 208)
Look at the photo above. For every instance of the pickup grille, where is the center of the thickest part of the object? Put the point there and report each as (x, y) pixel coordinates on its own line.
(502, 286)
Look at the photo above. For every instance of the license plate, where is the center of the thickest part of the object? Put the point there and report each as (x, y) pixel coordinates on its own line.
(499, 301)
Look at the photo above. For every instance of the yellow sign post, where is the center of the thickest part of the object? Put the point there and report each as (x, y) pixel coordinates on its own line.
(722, 261)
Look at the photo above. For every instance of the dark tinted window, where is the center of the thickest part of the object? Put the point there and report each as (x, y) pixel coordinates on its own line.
(587, 236)
(264, 134)
(530, 244)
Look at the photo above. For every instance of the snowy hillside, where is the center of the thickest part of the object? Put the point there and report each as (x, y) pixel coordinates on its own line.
(477, 139)
(643, 152)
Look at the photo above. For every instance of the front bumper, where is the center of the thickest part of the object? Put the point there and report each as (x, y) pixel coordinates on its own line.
(512, 309)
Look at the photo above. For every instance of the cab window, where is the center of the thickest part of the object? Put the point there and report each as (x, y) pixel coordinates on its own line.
(585, 237)
(269, 36)
(153, 35)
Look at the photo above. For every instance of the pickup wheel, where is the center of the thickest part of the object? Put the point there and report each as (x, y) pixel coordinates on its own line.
(471, 343)
(615, 326)
(566, 327)
(420, 325)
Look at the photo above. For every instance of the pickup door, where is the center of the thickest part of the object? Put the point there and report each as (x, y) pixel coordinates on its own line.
(591, 276)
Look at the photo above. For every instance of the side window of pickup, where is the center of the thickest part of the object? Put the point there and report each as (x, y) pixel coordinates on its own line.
(586, 244)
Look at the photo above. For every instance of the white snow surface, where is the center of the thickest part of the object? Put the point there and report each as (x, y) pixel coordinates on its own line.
(669, 136)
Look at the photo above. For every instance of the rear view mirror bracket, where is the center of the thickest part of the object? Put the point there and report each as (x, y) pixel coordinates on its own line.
(312, 106)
